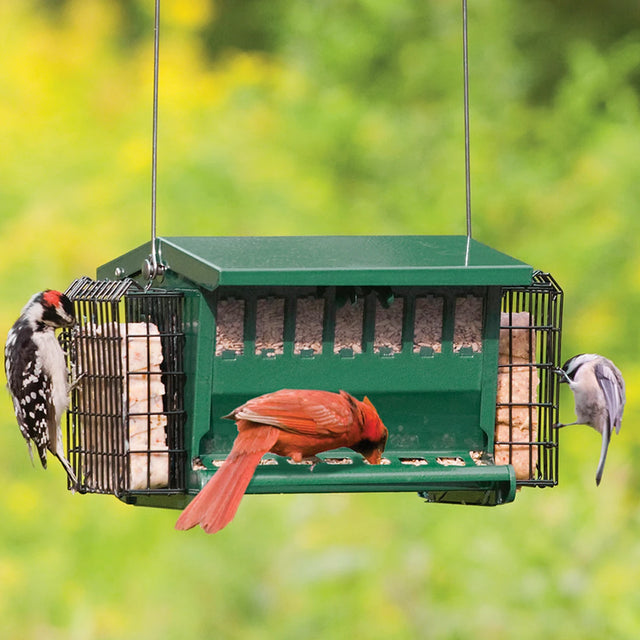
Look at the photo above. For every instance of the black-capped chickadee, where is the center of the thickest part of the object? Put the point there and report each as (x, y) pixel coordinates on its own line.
(599, 393)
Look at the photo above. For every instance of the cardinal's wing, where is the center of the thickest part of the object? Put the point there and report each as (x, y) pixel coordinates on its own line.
(301, 411)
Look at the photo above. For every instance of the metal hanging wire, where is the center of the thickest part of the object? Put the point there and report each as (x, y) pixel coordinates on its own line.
(467, 153)
(152, 268)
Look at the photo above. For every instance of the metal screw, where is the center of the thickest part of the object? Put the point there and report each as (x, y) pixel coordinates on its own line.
(152, 270)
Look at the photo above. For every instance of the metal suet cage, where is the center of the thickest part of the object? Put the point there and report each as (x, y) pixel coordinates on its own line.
(125, 425)
(454, 343)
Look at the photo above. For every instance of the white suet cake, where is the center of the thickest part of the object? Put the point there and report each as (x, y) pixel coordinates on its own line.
(142, 400)
(517, 388)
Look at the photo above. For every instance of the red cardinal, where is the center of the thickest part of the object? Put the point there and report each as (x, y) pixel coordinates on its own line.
(297, 423)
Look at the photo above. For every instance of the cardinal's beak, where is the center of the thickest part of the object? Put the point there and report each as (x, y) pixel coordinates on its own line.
(375, 457)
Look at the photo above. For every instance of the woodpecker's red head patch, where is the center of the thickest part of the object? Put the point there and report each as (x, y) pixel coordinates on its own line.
(51, 297)
(57, 309)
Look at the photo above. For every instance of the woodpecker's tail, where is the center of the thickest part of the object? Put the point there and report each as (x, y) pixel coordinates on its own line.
(57, 448)
(67, 467)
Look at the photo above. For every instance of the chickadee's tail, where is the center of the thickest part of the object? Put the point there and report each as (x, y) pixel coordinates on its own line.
(606, 436)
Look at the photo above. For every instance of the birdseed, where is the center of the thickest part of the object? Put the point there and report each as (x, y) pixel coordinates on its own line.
(230, 326)
(309, 324)
(427, 330)
(467, 331)
(348, 333)
(454, 461)
(270, 326)
(388, 331)
(414, 462)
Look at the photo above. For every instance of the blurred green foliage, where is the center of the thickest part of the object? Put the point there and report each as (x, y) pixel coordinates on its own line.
(339, 116)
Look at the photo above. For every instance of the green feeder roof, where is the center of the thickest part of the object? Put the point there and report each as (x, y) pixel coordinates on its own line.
(328, 261)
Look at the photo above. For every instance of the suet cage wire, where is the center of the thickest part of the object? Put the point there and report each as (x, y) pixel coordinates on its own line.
(543, 301)
(116, 443)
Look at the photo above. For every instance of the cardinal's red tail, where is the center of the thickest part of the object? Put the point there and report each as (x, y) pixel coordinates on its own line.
(216, 504)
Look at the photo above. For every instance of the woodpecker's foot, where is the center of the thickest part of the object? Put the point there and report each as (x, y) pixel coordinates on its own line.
(76, 383)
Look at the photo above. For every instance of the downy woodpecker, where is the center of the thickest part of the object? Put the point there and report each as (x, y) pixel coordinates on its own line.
(37, 374)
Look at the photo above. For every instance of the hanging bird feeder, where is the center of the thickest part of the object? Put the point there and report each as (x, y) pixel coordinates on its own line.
(453, 342)
(432, 341)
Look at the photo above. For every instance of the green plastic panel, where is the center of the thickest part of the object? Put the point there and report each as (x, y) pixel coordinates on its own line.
(357, 476)
(439, 406)
(488, 485)
(328, 260)
(436, 405)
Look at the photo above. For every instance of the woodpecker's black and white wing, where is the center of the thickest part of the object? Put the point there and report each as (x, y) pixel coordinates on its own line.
(30, 387)
(612, 384)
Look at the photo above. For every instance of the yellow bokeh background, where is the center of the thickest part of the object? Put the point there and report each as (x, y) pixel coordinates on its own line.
(349, 120)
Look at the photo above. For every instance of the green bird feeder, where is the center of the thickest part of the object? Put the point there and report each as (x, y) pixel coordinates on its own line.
(454, 343)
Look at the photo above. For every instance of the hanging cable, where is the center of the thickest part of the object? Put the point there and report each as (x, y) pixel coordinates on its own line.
(152, 267)
(467, 154)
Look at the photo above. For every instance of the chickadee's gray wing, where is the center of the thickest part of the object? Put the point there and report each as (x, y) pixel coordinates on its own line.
(612, 385)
